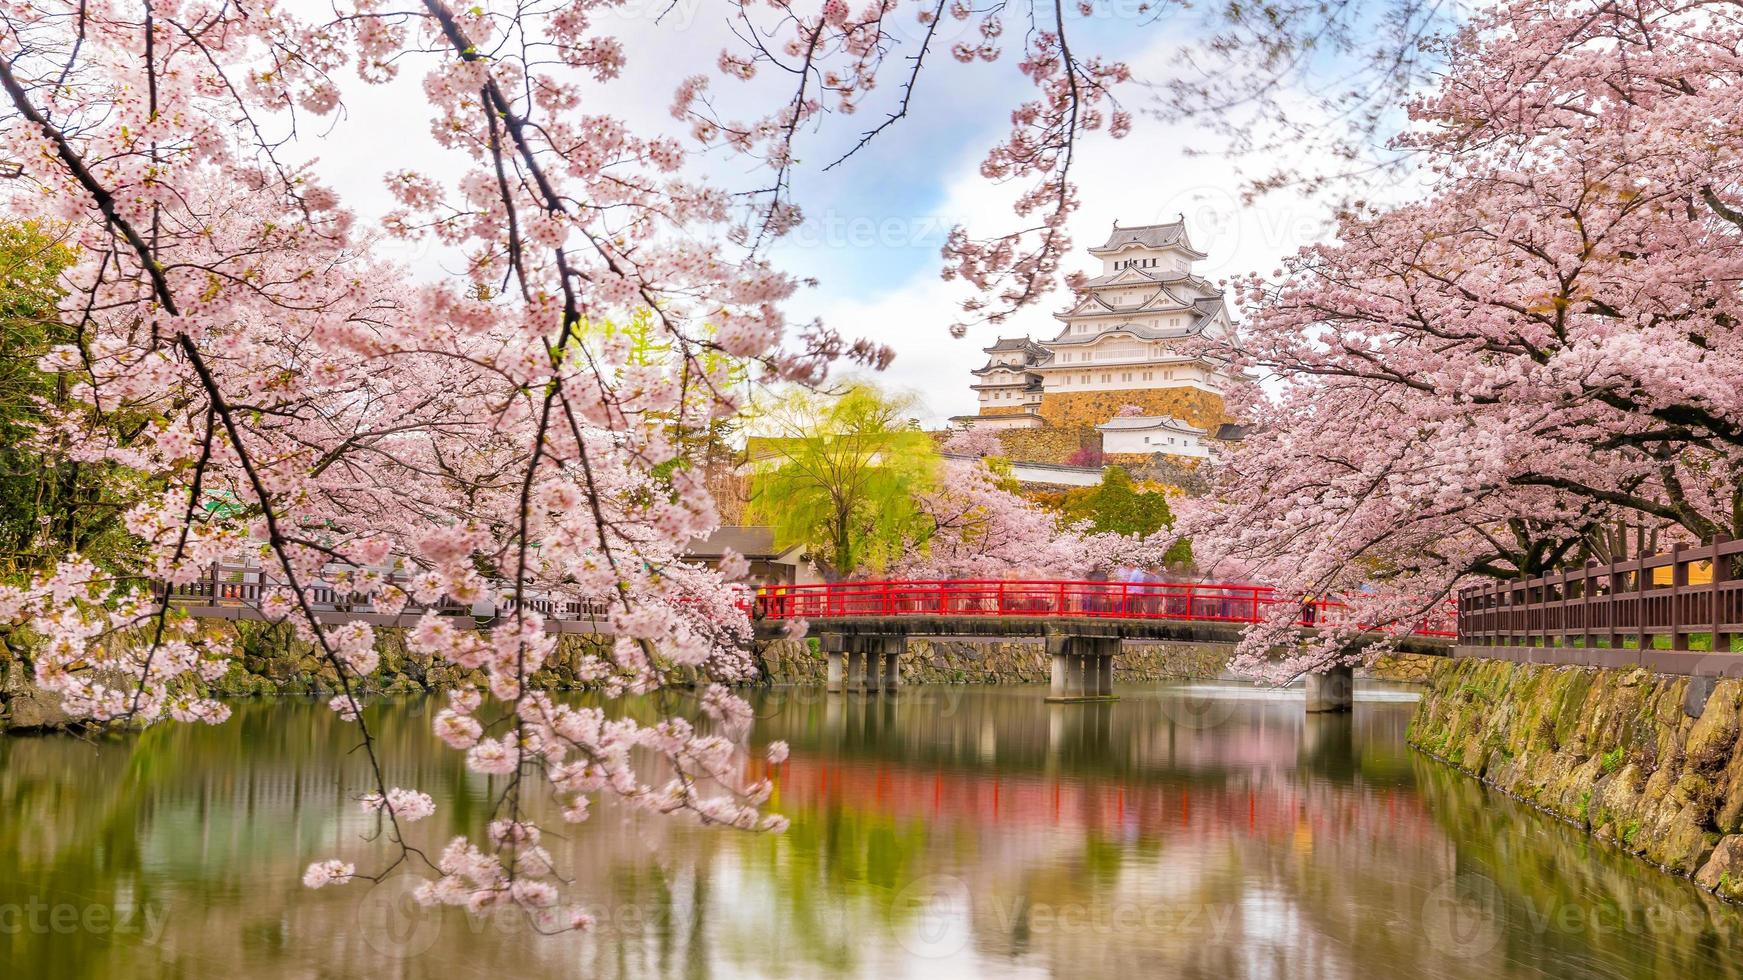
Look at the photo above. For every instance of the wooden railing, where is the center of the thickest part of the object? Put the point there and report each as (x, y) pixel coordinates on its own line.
(1690, 595)
(246, 587)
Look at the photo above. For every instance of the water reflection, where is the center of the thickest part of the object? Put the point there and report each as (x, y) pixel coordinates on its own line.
(1184, 831)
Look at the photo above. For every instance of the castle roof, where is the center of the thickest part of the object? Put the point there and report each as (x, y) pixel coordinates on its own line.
(1171, 234)
(1204, 312)
(1136, 275)
(1013, 343)
(991, 366)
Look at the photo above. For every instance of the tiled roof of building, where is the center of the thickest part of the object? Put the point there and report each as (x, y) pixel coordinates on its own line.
(1168, 422)
(1154, 275)
(749, 540)
(990, 367)
(1148, 236)
(1009, 344)
(1138, 330)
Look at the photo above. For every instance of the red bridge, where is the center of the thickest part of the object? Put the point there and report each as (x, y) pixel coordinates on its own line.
(864, 626)
(1199, 602)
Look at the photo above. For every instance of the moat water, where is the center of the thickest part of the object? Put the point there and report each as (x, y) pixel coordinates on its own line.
(1194, 830)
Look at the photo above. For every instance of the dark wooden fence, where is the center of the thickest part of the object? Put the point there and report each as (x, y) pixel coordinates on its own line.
(236, 592)
(1691, 596)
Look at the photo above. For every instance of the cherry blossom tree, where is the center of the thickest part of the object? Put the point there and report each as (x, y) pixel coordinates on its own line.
(977, 525)
(1490, 380)
(489, 433)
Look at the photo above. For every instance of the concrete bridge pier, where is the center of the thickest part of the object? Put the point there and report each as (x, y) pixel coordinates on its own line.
(863, 663)
(893, 648)
(835, 649)
(1334, 690)
(1082, 668)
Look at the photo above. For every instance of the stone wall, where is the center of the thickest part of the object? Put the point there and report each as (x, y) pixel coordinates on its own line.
(1047, 445)
(1091, 408)
(1002, 410)
(269, 662)
(1649, 762)
(1415, 668)
(929, 661)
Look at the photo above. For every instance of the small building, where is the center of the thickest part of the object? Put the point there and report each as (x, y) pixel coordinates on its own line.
(1147, 435)
(769, 565)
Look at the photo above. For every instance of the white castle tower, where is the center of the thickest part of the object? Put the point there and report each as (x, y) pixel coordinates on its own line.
(1125, 341)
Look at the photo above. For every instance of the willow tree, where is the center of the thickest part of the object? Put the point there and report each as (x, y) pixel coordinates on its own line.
(842, 475)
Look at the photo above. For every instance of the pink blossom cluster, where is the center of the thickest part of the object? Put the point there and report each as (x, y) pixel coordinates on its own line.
(979, 527)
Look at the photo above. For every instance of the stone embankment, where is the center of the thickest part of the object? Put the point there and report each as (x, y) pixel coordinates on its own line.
(928, 661)
(1647, 761)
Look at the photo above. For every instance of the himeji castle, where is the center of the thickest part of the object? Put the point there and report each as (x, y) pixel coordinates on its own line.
(1127, 340)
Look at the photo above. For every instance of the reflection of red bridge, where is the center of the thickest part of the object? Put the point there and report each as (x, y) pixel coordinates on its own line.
(1269, 805)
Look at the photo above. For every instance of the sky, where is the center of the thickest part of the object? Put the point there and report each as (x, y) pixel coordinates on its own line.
(874, 225)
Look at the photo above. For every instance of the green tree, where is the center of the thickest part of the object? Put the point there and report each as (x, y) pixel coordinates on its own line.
(842, 475)
(49, 505)
(1117, 505)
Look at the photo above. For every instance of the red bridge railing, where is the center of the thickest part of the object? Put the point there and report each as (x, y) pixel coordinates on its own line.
(1189, 601)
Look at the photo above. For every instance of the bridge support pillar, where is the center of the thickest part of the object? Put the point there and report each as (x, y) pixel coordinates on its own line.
(855, 670)
(893, 647)
(1083, 667)
(1061, 679)
(872, 648)
(864, 663)
(835, 648)
(1333, 690)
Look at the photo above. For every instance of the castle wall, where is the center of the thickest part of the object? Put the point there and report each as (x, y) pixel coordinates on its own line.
(1074, 408)
(1049, 445)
